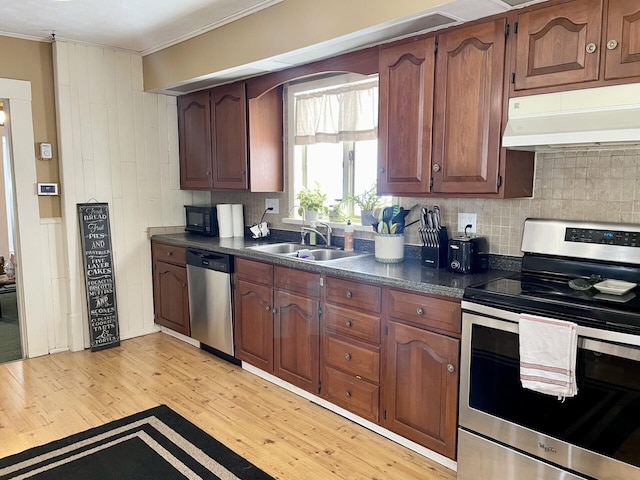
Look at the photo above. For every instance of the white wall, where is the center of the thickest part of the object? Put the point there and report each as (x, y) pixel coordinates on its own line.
(117, 145)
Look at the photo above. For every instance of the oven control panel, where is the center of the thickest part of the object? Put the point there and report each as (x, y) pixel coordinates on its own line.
(603, 237)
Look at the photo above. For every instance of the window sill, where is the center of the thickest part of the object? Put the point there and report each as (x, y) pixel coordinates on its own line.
(334, 225)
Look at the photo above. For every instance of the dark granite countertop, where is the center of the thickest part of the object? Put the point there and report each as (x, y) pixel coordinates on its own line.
(409, 274)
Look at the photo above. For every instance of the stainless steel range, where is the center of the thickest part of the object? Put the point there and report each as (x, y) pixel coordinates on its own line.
(507, 432)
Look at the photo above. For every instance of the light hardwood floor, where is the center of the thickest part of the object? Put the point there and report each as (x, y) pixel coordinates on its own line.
(47, 398)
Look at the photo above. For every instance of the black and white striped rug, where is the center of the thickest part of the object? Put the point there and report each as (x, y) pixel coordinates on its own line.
(154, 444)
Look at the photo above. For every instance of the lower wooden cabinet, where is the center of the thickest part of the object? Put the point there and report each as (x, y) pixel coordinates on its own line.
(170, 290)
(387, 355)
(421, 387)
(297, 327)
(254, 324)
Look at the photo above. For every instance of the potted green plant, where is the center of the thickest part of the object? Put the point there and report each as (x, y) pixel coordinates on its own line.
(368, 201)
(311, 202)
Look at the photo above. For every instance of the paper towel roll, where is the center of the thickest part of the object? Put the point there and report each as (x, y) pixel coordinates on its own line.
(225, 220)
(238, 220)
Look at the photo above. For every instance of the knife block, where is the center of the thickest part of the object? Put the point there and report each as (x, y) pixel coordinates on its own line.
(436, 257)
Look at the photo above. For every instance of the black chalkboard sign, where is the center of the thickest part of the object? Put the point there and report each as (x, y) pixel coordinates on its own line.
(95, 235)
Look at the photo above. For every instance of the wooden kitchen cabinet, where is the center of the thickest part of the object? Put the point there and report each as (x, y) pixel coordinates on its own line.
(420, 381)
(297, 328)
(351, 346)
(468, 109)
(253, 309)
(194, 133)
(577, 42)
(229, 136)
(170, 290)
(421, 387)
(216, 128)
(406, 76)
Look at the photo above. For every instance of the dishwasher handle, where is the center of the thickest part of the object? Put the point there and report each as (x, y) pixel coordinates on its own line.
(219, 262)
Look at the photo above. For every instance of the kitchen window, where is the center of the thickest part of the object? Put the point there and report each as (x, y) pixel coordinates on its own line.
(333, 130)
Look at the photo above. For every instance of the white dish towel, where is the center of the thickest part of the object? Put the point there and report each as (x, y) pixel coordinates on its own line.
(548, 349)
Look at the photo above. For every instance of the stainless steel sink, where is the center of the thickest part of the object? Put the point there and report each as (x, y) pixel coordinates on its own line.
(326, 254)
(278, 248)
(291, 250)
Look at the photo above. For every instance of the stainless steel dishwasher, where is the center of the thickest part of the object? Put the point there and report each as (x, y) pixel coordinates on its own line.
(210, 305)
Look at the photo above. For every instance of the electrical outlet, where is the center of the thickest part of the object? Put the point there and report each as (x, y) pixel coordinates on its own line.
(465, 219)
(273, 203)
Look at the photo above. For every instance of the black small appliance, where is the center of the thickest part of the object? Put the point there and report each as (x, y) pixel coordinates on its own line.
(468, 254)
(201, 220)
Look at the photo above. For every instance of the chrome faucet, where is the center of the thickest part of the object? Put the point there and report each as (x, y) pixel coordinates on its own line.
(329, 232)
(303, 233)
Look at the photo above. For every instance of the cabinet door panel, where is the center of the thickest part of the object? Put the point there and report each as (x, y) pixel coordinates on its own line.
(421, 394)
(297, 340)
(552, 44)
(171, 297)
(254, 324)
(229, 136)
(469, 97)
(405, 117)
(194, 132)
(623, 27)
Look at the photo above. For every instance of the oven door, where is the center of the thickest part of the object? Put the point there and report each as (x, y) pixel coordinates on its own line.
(596, 433)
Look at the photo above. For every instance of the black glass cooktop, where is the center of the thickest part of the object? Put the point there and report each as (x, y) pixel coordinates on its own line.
(553, 297)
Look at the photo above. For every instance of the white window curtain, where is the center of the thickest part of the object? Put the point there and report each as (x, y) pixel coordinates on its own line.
(347, 113)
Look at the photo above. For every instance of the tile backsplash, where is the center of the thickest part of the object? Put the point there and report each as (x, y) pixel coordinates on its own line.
(589, 184)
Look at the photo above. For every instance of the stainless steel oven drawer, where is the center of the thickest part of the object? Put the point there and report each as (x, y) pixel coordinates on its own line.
(482, 459)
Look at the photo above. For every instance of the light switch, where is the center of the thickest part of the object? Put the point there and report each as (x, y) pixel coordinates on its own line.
(45, 151)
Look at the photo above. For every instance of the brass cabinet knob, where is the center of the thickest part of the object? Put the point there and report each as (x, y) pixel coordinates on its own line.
(436, 167)
(347, 394)
(347, 356)
(591, 48)
(349, 294)
(612, 44)
(420, 311)
(347, 324)
(267, 308)
(451, 368)
(381, 169)
(274, 311)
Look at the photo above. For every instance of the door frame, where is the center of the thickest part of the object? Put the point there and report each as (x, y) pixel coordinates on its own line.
(27, 237)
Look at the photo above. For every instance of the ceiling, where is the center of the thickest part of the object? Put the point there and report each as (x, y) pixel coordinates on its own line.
(142, 26)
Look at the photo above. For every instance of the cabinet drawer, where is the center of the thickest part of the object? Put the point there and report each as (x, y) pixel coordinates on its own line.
(297, 281)
(352, 356)
(424, 310)
(169, 253)
(351, 322)
(353, 294)
(252, 271)
(356, 395)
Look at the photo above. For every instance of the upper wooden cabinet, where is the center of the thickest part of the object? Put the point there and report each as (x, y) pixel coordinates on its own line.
(194, 133)
(405, 116)
(577, 42)
(217, 151)
(468, 112)
(229, 136)
(622, 55)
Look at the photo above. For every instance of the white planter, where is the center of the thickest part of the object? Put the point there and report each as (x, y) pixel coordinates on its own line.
(389, 248)
(310, 215)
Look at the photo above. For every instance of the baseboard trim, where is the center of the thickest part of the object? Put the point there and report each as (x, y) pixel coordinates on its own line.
(180, 336)
(394, 437)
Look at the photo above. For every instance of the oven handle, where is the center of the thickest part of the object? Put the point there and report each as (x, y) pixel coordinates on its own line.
(607, 345)
(613, 349)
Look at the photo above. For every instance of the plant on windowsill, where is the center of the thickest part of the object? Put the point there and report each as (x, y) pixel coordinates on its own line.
(311, 202)
(368, 201)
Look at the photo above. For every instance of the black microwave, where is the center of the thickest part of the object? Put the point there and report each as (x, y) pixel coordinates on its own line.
(201, 220)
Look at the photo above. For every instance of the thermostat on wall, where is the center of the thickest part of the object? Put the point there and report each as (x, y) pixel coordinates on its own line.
(45, 151)
(47, 189)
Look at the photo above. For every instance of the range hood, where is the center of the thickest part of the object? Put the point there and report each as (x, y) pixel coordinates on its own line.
(591, 117)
